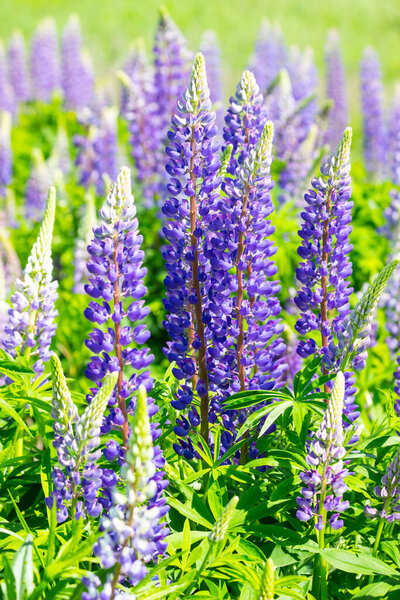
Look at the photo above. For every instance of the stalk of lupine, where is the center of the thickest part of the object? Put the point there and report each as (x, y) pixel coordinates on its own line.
(7, 97)
(81, 255)
(171, 64)
(45, 60)
(40, 179)
(32, 316)
(131, 534)
(394, 138)
(372, 110)
(118, 309)
(389, 493)
(77, 478)
(303, 75)
(211, 51)
(270, 55)
(77, 93)
(5, 152)
(194, 182)
(336, 89)
(267, 581)
(324, 484)
(18, 67)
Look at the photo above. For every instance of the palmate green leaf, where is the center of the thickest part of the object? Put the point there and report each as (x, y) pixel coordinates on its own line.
(303, 378)
(15, 370)
(253, 397)
(274, 409)
(362, 564)
(192, 514)
(373, 590)
(22, 568)
(273, 415)
(11, 412)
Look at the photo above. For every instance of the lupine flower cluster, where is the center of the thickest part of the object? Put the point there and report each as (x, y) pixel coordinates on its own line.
(32, 314)
(7, 98)
(130, 533)
(118, 309)
(389, 493)
(270, 55)
(45, 61)
(18, 67)
(78, 478)
(324, 484)
(5, 152)
(212, 54)
(77, 71)
(335, 89)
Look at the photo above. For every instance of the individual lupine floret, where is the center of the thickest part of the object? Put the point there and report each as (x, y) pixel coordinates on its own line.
(211, 51)
(7, 97)
(118, 309)
(77, 478)
(45, 60)
(131, 534)
(267, 581)
(336, 89)
(324, 483)
(389, 493)
(85, 235)
(193, 165)
(37, 186)
(270, 55)
(77, 76)
(5, 152)
(18, 67)
(32, 316)
(372, 110)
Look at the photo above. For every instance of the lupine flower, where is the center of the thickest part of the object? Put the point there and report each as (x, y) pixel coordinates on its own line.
(221, 526)
(77, 75)
(7, 97)
(267, 581)
(18, 67)
(394, 138)
(77, 478)
(336, 89)
(37, 186)
(194, 182)
(130, 533)
(270, 55)
(45, 60)
(81, 255)
(31, 321)
(211, 51)
(118, 309)
(389, 493)
(372, 110)
(5, 152)
(324, 484)
(3, 304)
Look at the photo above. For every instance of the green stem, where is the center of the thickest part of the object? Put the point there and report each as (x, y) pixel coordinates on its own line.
(376, 545)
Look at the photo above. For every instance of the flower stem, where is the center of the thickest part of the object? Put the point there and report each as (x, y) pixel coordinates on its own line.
(376, 544)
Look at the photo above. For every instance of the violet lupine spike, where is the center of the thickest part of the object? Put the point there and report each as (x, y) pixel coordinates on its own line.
(118, 309)
(45, 61)
(193, 165)
(77, 76)
(324, 484)
(389, 493)
(37, 186)
(81, 254)
(304, 79)
(77, 477)
(5, 152)
(270, 55)
(211, 51)
(32, 314)
(130, 533)
(7, 96)
(393, 155)
(18, 67)
(373, 112)
(336, 89)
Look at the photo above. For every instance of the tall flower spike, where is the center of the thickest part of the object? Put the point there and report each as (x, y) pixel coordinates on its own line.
(220, 529)
(324, 484)
(211, 51)
(131, 532)
(37, 186)
(77, 81)
(267, 581)
(81, 257)
(18, 67)
(389, 493)
(7, 97)
(45, 60)
(269, 55)
(194, 183)
(31, 321)
(336, 89)
(5, 153)
(76, 439)
(372, 110)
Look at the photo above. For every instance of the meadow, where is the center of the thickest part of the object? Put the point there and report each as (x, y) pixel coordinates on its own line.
(199, 301)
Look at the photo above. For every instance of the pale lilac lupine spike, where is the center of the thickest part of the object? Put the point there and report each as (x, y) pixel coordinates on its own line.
(270, 55)
(211, 51)
(7, 96)
(45, 60)
(37, 186)
(18, 67)
(389, 493)
(77, 70)
(81, 253)
(5, 152)
(336, 89)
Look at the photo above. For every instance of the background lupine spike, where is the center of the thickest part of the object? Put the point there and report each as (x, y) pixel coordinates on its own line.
(41, 251)
(267, 585)
(5, 155)
(343, 149)
(336, 89)
(64, 410)
(220, 528)
(18, 66)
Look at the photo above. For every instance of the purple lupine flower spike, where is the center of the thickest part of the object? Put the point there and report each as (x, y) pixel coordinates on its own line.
(45, 60)
(7, 96)
(324, 484)
(37, 187)
(269, 55)
(193, 169)
(130, 533)
(336, 89)
(389, 493)
(5, 152)
(18, 67)
(31, 322)
(394, 137)
(117, 310)
(77, 79)
(211, 51)
(81, 254)
(372, 110)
